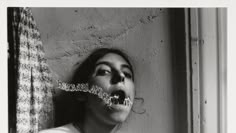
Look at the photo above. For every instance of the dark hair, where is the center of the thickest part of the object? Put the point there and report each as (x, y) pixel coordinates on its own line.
(82, 75)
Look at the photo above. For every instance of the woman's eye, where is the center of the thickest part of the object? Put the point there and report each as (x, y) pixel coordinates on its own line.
(103, 72)
(128, 75)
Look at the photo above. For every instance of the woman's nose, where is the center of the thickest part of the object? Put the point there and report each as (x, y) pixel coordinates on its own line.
(118, 77)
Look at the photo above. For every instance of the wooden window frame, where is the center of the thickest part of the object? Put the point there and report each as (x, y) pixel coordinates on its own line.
(197, 75)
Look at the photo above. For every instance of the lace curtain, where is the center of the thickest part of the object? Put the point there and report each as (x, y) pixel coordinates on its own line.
(30, 82)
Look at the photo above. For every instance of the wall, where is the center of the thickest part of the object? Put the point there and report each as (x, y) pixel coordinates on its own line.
(69, 34)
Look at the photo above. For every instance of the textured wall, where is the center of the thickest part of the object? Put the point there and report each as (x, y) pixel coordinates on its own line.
(71, 33)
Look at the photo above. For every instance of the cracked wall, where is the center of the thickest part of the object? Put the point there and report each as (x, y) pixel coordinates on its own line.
(69, 34)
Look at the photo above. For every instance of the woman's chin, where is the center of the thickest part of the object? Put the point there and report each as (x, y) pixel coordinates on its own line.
(119, 116)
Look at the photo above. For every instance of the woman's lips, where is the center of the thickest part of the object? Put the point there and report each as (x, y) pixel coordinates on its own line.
(120, 107)
(118, 97)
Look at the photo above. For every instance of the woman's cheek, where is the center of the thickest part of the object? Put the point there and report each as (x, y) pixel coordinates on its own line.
(130, 86)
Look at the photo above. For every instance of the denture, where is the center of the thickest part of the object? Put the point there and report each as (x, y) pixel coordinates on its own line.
(116, 97)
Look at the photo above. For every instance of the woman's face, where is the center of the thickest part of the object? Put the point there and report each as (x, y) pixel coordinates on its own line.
(113, 74)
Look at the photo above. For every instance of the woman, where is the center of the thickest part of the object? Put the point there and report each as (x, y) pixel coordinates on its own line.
(111, 70)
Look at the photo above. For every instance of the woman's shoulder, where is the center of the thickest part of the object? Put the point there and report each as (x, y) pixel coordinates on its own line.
(68, 128)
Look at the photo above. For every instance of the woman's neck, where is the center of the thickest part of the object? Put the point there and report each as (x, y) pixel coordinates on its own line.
(92, 124)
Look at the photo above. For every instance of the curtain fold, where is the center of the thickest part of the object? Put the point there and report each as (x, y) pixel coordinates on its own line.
(30, 81)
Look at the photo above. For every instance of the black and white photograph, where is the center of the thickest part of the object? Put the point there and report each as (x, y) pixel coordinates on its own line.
(116, 70)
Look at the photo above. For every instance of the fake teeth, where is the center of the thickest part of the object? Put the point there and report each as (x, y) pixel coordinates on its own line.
(117, 97)
(115, 100)
(127, 102)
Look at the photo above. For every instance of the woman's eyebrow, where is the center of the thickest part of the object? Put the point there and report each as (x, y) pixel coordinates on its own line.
(103, 63)
(111, 65)
(126, 66)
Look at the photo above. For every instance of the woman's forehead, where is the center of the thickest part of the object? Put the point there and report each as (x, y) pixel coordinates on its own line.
(113, 59)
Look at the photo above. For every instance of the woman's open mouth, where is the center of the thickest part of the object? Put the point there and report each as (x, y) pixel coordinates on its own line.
(119, 97)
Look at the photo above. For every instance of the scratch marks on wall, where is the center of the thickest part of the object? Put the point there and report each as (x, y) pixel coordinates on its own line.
(115, 23)
(110, 25)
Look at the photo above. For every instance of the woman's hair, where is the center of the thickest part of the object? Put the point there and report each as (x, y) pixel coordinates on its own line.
(81, 76)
